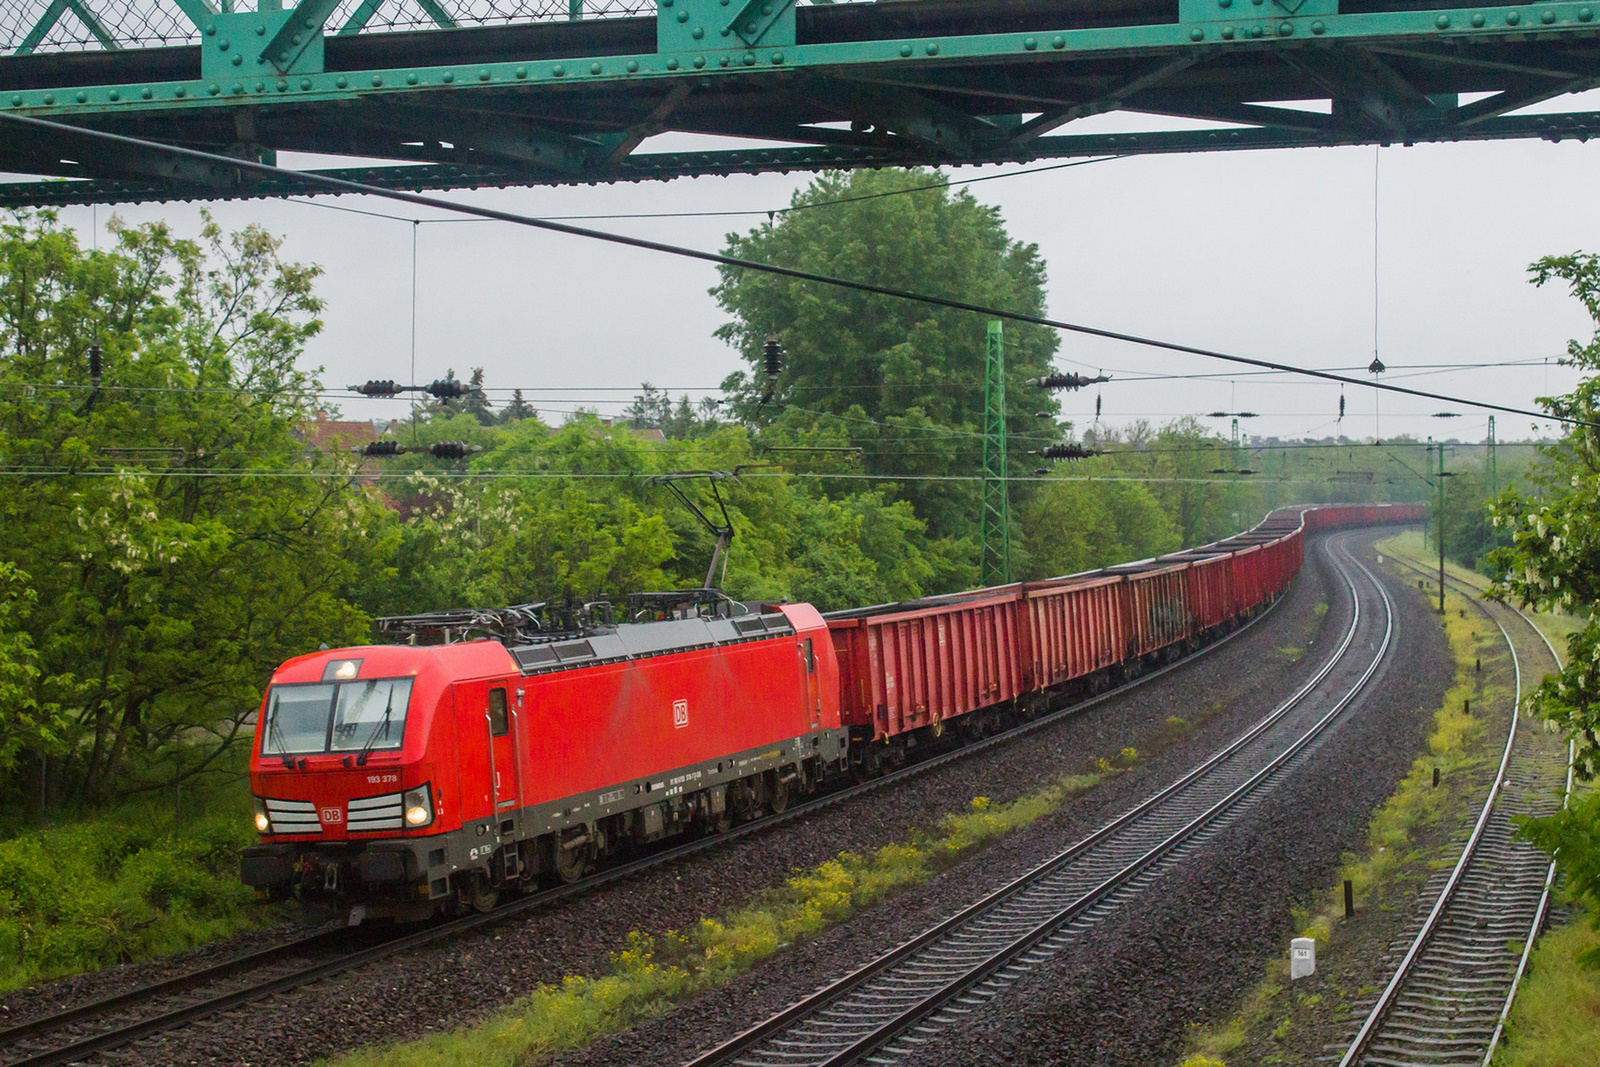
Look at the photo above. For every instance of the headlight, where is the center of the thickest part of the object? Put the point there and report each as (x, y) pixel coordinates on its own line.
(263, 824)
(418, 806)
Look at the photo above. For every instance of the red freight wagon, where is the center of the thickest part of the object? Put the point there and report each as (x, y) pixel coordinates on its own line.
(1207, 586)
(909, 669)
(1155, 609)
(1074, 629)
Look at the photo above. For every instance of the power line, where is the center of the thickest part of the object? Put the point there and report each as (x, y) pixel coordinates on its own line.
(682, 252)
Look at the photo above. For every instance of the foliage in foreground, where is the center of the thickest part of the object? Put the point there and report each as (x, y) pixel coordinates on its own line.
(1554, 564)
(652, 974)
(1557, 1012)
(121, 887)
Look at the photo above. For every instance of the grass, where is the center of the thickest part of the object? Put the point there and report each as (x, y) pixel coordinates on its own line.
(652, 974)
(122, 886)
(1556, 1019)
(1393, 856)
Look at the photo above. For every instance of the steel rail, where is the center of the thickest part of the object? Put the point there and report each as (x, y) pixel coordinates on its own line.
(181, 1016)
(969, 975)
(1372, 1025)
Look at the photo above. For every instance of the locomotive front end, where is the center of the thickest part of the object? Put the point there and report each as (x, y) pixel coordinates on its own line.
(353, 802)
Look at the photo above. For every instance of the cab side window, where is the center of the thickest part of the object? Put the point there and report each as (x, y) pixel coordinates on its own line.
(499, 718)
(811, 658)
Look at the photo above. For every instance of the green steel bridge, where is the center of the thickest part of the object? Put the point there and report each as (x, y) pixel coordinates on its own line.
(478, 93)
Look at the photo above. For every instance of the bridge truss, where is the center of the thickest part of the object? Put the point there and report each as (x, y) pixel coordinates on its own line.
(476, 93)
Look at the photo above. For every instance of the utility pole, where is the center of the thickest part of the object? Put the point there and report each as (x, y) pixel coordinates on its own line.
(995, 525)
(1491, 463)
(1439, 476)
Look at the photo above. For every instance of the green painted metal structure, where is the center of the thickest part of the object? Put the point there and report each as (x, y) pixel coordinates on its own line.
(994, 561)
(470, 93)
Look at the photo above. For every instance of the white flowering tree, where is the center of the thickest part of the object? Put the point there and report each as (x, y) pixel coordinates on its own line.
(168, 538)
(1554, 563)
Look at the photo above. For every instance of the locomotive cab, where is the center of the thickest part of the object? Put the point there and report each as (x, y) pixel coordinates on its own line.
(353, 802)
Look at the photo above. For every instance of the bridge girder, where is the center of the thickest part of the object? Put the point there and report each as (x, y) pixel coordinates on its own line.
(838, 85)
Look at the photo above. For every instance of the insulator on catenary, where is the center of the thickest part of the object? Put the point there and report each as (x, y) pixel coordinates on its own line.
(379, 448)
(772, 356)
(1067, 452)
(1341, 405)
(1067, 381)
(383, 388)
(95, 365)
(448, 389)
(452, 449)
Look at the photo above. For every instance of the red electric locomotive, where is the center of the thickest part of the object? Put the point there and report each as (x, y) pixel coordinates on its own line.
(399, 778)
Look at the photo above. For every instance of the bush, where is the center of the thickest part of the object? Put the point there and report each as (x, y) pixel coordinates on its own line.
(118, 888)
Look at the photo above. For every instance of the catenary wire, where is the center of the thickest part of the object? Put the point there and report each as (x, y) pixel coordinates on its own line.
(344, 185)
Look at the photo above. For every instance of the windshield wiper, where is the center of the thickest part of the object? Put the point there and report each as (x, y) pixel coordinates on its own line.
(275, 735)
(381, 728)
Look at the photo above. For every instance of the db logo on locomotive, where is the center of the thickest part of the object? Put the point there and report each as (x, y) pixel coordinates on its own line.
(333, 815)
(680, 713)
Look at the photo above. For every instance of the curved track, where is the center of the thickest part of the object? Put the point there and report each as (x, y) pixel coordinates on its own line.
(81, 1031)
(1456, 978)
(886, 1010)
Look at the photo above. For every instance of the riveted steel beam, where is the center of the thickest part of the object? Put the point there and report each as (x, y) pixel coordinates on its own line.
(297, 33)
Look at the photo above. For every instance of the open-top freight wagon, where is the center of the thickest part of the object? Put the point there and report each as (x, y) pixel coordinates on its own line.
(401, 778)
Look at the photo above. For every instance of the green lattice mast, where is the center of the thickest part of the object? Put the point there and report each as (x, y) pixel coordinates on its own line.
(995, 562)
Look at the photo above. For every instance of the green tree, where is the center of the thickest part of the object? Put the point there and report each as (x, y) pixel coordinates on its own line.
(148, 510)
(903, 380)
(1553, 562)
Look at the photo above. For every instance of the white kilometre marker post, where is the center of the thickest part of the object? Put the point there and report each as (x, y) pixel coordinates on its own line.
(1302, 957)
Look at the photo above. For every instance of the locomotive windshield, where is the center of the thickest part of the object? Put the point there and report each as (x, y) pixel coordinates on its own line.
(363, 716)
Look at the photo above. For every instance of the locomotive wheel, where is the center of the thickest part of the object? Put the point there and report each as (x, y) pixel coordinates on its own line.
(571, 864)
(779, 800)
(479, 894)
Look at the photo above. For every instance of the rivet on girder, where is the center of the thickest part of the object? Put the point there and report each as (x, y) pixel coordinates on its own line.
(559, 71)
(1227, 33)
(484, 75)
(1477, 21)
(236, 88)
(1443, 22)
(522, 72)
(1058, 41)
(82, 98)
(698, 32)
(749, 59)
(180, 92)
(1318, 28)
(1197, 34)
(411, 79)
(594, 68)
(213, 88)
(777, 59)
(672, 64)
(224, 44)
(115, 96)
(699, 61)
(49, 98)
(16, 100)
(377, 81)
(237, 60)
(1584, 14)
(1255, 31)
(305, 85)
(683, 16)
(723, 60)
(1547, 16)
(146, 93)
(449, 76)
(261, 30)
(905, 50)
(342, 82)
(932, 49)
(1285, 29)
(1513, 18)
(1030, 43)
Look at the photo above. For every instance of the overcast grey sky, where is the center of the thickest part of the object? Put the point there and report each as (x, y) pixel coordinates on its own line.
(1264, 254)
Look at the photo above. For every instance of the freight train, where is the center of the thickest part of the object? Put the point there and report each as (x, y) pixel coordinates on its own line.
(485, 752)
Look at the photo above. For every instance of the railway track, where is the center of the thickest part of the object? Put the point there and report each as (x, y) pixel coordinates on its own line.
(84, 1030)
(887, 1010)
(1456, 978)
